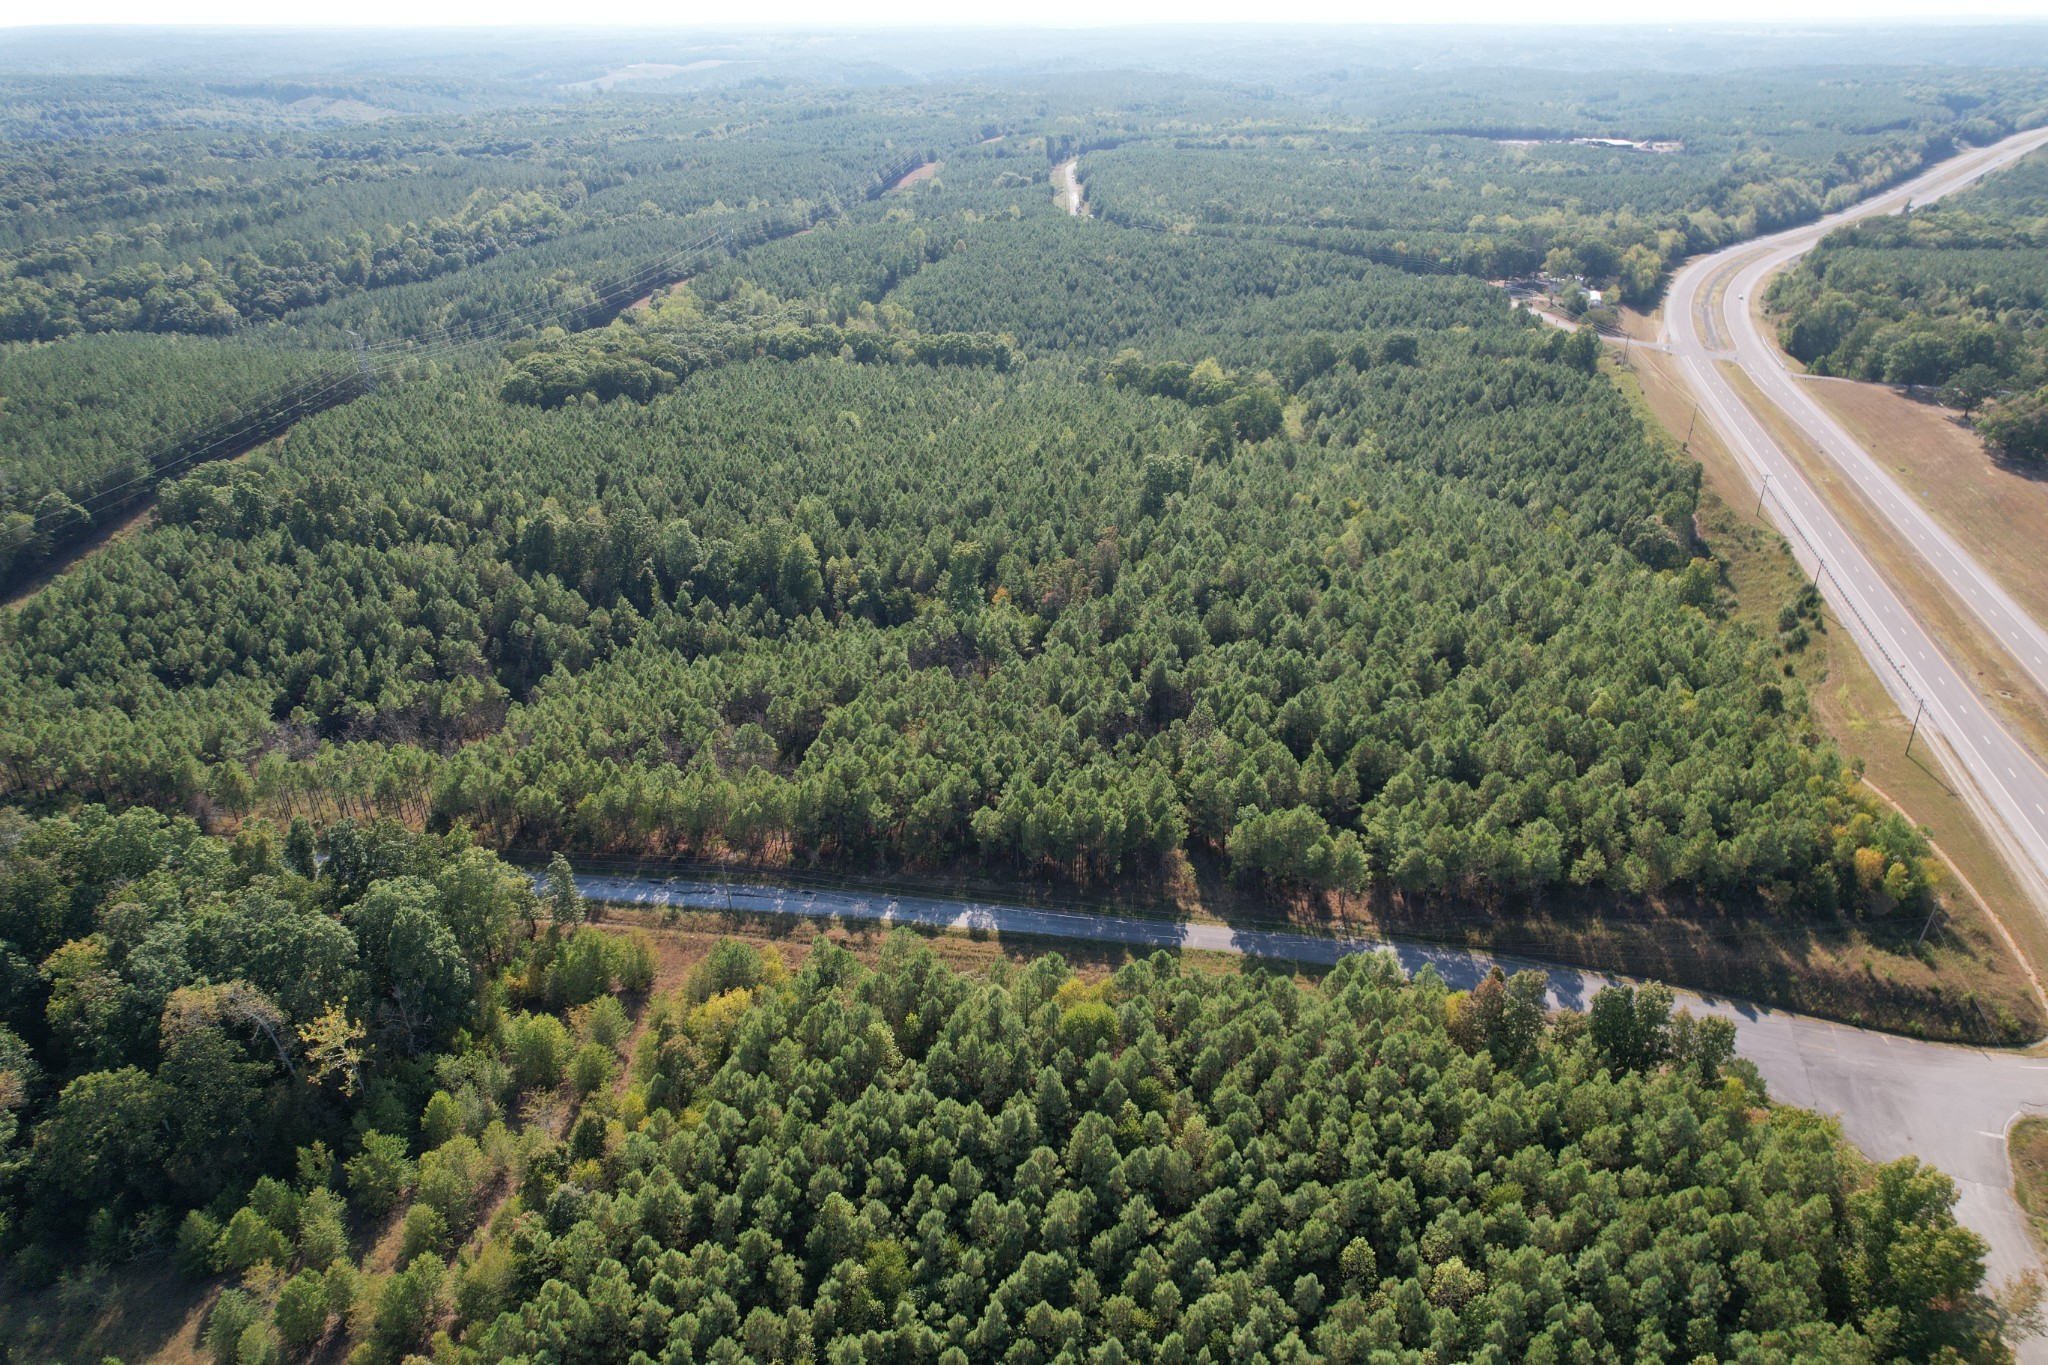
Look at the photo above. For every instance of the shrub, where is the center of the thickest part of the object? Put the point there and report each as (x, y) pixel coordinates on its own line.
(442, 1119)
(275, 1201)
(301, 1311)
(582, 969)
(603, 1021)
(259, 1345)
(631, 958)
(234, 1312)
(426, 1233)
(379, 1174)
(485, 1287)
(342, 1281)
(450, 1177)
(592, 1068)
(316, 1167)
(406, 1303)
(729, 965)
(250, 1239)
(2018, 425)
(538, 1047)
(198, 1238)
(323, 1239)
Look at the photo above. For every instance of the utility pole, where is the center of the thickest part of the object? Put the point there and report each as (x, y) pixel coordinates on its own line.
(1763, 489)
(1914, 731)
(1685, 446)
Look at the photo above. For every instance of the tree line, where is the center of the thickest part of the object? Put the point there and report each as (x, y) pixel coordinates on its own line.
(257, 1054)
(1952, 297)
(1449, 634)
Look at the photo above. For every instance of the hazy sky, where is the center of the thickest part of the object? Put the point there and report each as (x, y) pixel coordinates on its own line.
(847, 13)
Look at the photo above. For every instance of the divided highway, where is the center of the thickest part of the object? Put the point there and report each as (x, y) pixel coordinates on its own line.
(1949, 1106)
(1708, 320)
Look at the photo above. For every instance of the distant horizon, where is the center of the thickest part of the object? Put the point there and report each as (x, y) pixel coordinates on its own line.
(257, 16)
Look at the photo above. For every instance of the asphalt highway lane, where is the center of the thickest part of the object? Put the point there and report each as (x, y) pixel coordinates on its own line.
(1708, 320)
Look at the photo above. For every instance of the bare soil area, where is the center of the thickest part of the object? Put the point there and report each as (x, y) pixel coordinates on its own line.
(924, 172)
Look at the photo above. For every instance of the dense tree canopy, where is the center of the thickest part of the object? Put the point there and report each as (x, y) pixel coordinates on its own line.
(205, 1047)
(1953, 296)
(915, 614)
(761, 467)
(910, 1164)
(170, 988)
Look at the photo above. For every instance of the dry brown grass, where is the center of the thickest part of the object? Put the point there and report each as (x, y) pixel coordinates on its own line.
(1853, 708)
(141, 1313)
(1964, 984)
(2009, 693)
(1996, 511)
(683, 938)
(924, 172)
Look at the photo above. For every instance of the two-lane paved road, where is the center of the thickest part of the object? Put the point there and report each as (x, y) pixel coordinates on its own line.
(1708, 319)
(1895, 1097)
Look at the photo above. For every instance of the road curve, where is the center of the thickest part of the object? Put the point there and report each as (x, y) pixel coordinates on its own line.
(1895, 1097)
(1747, 270)
(1707, 320)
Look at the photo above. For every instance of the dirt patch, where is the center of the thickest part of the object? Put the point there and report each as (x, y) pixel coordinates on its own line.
(924, 172)
(1999, 512)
